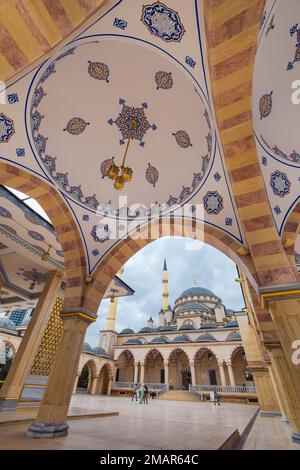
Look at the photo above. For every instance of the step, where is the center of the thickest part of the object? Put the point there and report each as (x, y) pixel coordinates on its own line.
(178, 395)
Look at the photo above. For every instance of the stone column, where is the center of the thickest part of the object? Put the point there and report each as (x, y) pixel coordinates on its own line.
(288, 393)
(136, 371)
(266, 393)
(142, 376)
(166, 364)
(76, 383)
(286, 316)
(94, 385)
(52, 414)
(11, 390)
(222, 374)
(193, 373)
(231, 375)
(109, 387)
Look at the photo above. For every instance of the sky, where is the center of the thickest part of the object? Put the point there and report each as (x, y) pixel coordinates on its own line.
(188, 262)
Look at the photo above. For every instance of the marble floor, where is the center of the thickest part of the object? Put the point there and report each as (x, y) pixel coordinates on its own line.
(159, 425)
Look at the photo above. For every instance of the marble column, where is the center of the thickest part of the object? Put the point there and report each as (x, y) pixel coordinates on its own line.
(286, 316)
(11, 390)
(266, 393)
(193, 373)
(136, 371)
(166, 364)
(52, 415)
(222, 374)
(110, 382)
(142, 376)
(231, 375)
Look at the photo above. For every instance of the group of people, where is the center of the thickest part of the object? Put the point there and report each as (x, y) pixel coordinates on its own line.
(140, 394)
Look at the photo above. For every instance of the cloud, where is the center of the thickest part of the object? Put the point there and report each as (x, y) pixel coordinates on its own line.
(143, 272)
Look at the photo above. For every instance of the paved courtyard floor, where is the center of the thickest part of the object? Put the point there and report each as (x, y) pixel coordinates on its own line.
(158, 425)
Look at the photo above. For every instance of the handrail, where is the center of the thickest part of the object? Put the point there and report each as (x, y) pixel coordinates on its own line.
(152, 386)
(222, 389)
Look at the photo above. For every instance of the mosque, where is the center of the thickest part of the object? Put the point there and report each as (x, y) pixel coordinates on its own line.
(122, 122)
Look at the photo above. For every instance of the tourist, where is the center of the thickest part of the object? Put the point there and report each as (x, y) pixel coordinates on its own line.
(146, 394)
(216, 398)
(142, 394)
(134, 393)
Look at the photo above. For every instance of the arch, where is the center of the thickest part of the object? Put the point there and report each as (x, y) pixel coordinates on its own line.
(290, 233)
(154, 366)
(87, 373)
(125, 249)
(105, 376)
(68, 235)
(179, 369)
(125, 366)
(239, 366)
(206, 365)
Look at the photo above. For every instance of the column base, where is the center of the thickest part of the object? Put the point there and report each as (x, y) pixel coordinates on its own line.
(284, 420)
(296, 437)
(271, 414)
(47, 431)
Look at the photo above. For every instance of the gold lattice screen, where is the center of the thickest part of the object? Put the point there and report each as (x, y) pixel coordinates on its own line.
(47, 349)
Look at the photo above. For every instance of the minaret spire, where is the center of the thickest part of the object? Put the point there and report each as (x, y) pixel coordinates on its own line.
(111, 316)
(165, 293)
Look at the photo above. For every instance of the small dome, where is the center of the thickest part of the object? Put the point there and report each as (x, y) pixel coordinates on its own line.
(189, 306)
(146, 329)
(205, 338)
(133, 341)
(232, 324)
(7, 324)
(87, 347)
(166, 328)
(187, 326)
(100, 351)
(229, 311)
(207, 325)
(234, 337)
(127, 331)
(159, 340)
(181, 339)
(197, 291)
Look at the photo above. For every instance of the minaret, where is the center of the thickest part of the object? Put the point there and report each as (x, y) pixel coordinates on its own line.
(165, 288)
(111, 316)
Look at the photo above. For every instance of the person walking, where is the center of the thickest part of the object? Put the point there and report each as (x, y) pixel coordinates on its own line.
(146, 394)
(142, 394)
(216, 398)
(134, 393)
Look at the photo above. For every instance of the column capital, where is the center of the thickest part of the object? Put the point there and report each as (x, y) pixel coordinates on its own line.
(86, 315)
(279, 292)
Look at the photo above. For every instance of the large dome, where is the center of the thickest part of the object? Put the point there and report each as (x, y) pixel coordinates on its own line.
(197, 291)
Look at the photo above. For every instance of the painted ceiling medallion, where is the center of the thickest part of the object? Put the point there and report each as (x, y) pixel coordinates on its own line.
(101, 233)
(182, 139)
(76, 126)
(163, 22)
(265, 105)
(33, 275)
(98, 70)
(5, 213)
(163, 80)
(280, 183)
(36, 235)
(132, 122)
(106, 166)
(6, 128)
(292, 157)
(152, 175)
(9, 229)
(31, 219)
(213, 202)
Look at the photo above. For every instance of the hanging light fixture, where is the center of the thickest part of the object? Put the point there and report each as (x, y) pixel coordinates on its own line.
(122, 174)
(45, 256)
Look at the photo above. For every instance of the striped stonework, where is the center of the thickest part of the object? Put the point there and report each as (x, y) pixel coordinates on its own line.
(29, 29)
(232, 28)
(63, 223)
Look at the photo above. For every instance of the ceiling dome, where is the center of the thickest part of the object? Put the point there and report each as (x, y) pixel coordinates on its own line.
(146, 329)
(187, 326)
(7, 324)
(208, 325)
(181, 339)
(159, 340)
(232, 324)
(190, 306)
(206, 338)
(234, 337)
(166, 328)
(197, 291)
(133, 341)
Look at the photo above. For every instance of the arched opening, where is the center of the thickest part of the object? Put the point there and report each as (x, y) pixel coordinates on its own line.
(242, 374)
(85, 381)
(179, 370)
(154, 367)
(6, 358)
(103, 380)
(206, 368)
(125, 367)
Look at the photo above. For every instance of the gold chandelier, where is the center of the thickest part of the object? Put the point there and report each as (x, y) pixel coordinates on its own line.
(122, 174)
